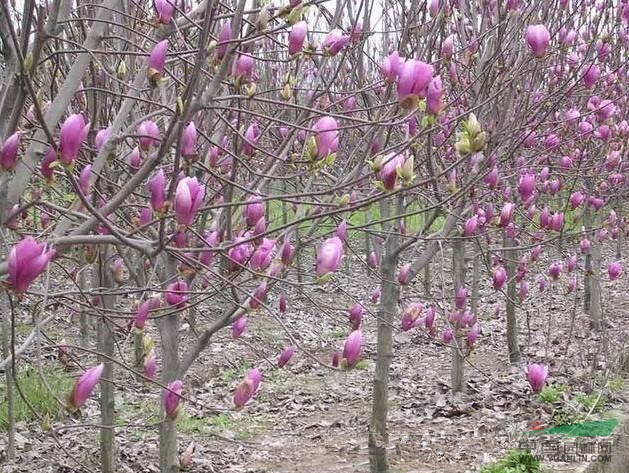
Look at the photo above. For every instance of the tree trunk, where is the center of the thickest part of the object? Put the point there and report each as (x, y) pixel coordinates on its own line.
(475, 282)
(8, 373)
(169, 336)
(378, 433)
(511, 257)
(104, 281)
(594, 285)
(459, 268)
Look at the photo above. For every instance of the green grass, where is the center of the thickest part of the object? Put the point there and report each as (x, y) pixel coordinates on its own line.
(516, 461)
(594, 402)
(41, 400)
(552, 394)
(414, 223)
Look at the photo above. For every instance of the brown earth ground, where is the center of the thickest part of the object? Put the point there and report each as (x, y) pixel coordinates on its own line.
(309, 418)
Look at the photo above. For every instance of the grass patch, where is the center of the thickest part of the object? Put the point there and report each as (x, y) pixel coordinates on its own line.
(516, 461)
(34, 389)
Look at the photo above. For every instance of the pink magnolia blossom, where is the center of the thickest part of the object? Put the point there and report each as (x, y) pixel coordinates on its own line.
(536, 375)
(538, 39)
(171, 398)
(356, 315)
(329, 256)
(296, 37)
(261, 257)
(410, 316)
(254, 210)
(189, 141)
(150, 365)
(239, 326)
(614, 270)
(334, 42)
(326, 137)
(247, 388)
(285, 356)
(499, 277)
(177, 294)
(71, 138)
(148, 134)
(224, 36)
(157, 60)
(413, 80)
(27, 260)
(404, 276)
(351, 350)
(164, 10)
(157, 189)
(9, 151)
(188, 198)
(390, 66)
(84, 386)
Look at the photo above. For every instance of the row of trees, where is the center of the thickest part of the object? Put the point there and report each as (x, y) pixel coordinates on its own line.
(204, 158)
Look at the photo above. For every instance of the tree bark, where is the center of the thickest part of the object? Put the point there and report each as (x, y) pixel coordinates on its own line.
(511, 257)
(459, 266)
(378, 432)
(104, 281)
(169, 335)
(8, 373)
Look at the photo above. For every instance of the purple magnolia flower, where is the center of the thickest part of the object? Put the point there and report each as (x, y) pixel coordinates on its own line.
(239, 326)
(251, 138)
(413, 80)
(224, 35)
(460, 298)
(254, 210)
(351, 350)
(285, 356)
(334, 42)
(150, 365)
(157, 189)
(296, 37)
(538, 39)
(262, 256)
(410, 316)
(356, 315)
(327, 136)
(172, 397)
(71, 138)
(526, 186)
(84, 386)
(499, 277)
(189, 141)
(614, 270)
(329, 256)
(388, 173)
(404, 276)
(26, 261)
(433, 96)
(391, 65)
(142, 315)
(536, 375)
(177, 294)
(243, 67)
(188, 198)
(9, 151)
(157, 60)
(148, 134)
(84, 179)
(247, 388)
(164, 10)
(472, 335)
(101, 139)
